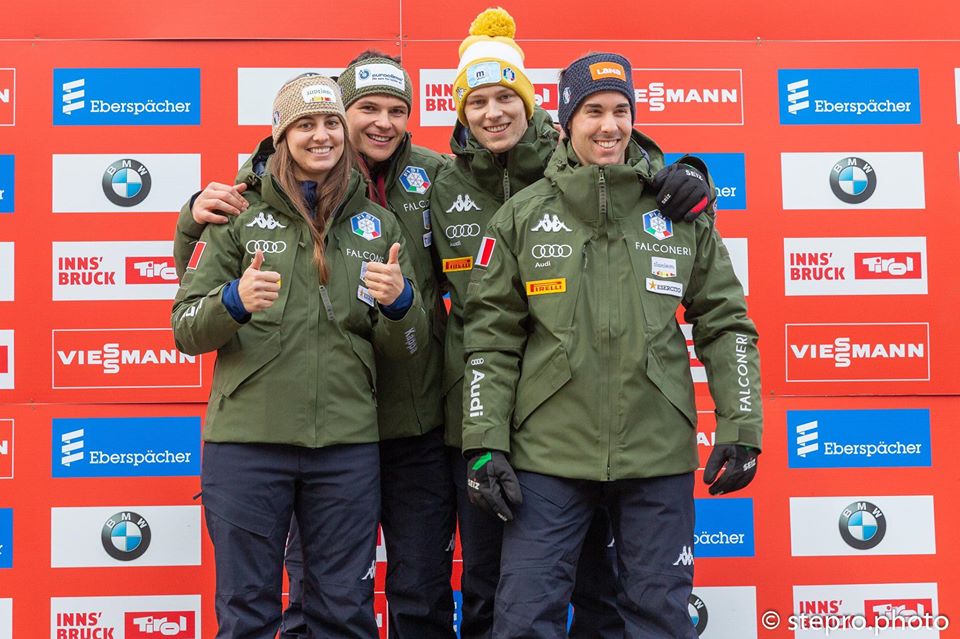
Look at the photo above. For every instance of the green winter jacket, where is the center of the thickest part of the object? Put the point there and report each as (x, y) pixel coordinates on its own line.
(408, 392)
(576, 365)
(465, 196)
(301, 372)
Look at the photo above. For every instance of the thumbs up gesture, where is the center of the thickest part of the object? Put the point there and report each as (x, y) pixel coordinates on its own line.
(385, 281)
(258, 289)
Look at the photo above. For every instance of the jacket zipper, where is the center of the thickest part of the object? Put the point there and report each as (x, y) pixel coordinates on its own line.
(327, 304)
(604, 321)
(506, 185)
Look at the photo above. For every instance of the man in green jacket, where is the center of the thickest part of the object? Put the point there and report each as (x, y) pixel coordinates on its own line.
(418, 515)
(577, 374)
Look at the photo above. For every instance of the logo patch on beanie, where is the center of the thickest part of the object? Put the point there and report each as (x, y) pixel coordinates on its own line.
(379, 74)
(318, 93)
(509, 75)
(483, 73)
(566, 95)
(602, 70)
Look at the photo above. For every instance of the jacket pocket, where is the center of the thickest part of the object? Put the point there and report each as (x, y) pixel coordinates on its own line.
(364, 352)
(237, 362)
(239, 513)
(537, 387)
(677, 388)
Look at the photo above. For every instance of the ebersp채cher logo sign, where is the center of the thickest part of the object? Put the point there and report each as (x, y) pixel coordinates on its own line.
(126, 96)
(724, 528)
(849, 96)
(126, 447)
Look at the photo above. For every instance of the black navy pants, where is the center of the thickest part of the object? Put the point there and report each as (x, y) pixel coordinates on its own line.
(653, 526)
(250, 493)
(594, 596)
(417, 518)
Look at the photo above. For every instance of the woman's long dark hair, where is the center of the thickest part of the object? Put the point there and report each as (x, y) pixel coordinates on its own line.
(330, 194)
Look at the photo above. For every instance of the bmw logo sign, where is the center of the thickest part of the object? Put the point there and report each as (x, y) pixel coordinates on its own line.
(126, 182)
(862, 525)
(125, 536)
(698, 613)
(853, 180)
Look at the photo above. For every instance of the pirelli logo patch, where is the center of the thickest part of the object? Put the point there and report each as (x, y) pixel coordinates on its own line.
(197, 254)
(457, 264)
(544, 287)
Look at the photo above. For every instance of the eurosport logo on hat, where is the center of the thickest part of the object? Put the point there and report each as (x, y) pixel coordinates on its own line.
(866, 610)
(147, 617)
(728, 171)
(6, 271)
(122, 358)
(437, 107)
(126, 447)
(867, 352)
(855, 266)
(849, 96)
(256, 88)
(113, 271)
(858, 438)
(124, 182)
(6, 449)
(7, 183)
(6, 537)
(116, 536)
(862, 524)
(727, 612)
(6, 359)
(689, 96)
(852, 180)
(107, 97)
(724, 528)
(8, 97)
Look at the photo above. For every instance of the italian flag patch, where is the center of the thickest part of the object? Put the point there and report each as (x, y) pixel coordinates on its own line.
(486, 251)
(195, 257)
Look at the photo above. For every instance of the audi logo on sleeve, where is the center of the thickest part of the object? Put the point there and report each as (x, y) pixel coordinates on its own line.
(455, 231)
(267, 246)
(543, 251)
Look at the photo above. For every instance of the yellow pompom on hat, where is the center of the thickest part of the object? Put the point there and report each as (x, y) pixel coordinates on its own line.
(489, 56)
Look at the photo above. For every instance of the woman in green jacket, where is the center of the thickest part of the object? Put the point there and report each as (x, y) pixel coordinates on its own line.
(295, 295)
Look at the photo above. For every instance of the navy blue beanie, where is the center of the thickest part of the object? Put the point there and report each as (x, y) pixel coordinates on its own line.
(591, 74)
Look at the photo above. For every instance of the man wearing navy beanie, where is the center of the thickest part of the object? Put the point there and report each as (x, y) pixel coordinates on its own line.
(580, 372)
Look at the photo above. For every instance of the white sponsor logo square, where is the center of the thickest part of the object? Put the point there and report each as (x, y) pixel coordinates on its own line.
(6, 359)
(737, 247)
(894, 610)
(852, 180)
(113, 271)
(724, 612)
(146, 617)
(256, 88)
(6, 618)
(855, 266)
(6, 271)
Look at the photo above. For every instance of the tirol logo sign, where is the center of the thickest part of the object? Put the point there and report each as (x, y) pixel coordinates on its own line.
(126, 447)
(438, 108)
(689, 96)
(855, 266)
(102, 96)
(113, 271)
(858, 352)
(858, 438)
(862, 524)
(7, 183)
(724, 528)
(849, 96)
(122, 358)
(852, 180)
(896, 610)
(729, 177)
(6, 449)
(6, 360)
(146, 617)
(124, 182)
(8, 97)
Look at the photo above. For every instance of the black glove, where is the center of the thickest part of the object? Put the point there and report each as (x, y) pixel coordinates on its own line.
(489, 479)
(682, 192)
(740, 463)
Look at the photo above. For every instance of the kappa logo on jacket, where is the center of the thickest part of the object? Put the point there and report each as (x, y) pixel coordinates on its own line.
(266, 222)
(550, 224)
(463, 203)
(685, 558)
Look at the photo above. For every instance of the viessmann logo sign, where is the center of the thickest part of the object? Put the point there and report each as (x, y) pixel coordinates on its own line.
(858, 352)
(122, 358)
